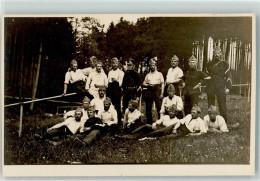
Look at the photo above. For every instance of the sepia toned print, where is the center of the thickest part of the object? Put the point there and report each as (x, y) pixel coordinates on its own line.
(129, 91)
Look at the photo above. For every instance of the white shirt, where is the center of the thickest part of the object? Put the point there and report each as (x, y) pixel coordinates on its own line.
(97, 78)
(167, 102)
(131, 117)
(117, 74)
(167, 121)
(219, 124)
(72, 77)
(72, 124)
(83, 119)
(109, 117)
(99, 105)
(194, 124)
(174, 74)
(154, 78)
(89, 70)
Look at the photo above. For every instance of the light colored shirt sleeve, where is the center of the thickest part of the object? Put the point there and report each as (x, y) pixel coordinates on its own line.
(67, 78)
(179, 104)
(163, 105)
(206, 122)
(114, 116)
(180, 73)
(105, 80)
(121, 77)
(146, 79)
(161, 78)
(222, 124)
(89, 79)
(202, 126)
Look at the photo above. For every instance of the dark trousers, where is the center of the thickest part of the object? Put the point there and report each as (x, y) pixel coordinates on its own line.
(114, 93)
(79, 88)
(189, 102)
(221, 98)
(147, 131)
(89, 137)
(112, 129)
(149, 106)
(61, 132)
(138, 123)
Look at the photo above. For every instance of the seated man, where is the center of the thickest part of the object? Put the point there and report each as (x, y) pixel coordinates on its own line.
(132, 117)
(92, 63)
(91, 129)
(98, 102)
(68, 127)
(192, 124)
(95, 80)
(84, 117)
(108, 117)
(170, 100)
(215, 122)
(77, 79)
(161, 127)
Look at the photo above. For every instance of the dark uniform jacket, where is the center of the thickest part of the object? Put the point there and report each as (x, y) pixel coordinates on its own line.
(191, 79)
(220, 76)
(91, 122)
(131, 82)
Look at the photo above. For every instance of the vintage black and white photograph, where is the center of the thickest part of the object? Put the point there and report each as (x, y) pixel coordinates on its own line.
(129, 89)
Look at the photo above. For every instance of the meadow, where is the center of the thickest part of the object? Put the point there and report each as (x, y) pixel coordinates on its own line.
(210, 148)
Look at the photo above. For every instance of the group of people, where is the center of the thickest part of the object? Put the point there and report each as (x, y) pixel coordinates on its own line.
(102, 112)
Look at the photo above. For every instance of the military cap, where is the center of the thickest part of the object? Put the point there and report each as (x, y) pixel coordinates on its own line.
(196, 108)
(108, 100)
(213, 109)
(175, 58)
(134, 103)
(79, 110)
(152, 61)
(86, 100)
(73, 62)
(99, 62)
(192, 59)
(170, 88)
(114, 59)
(217, 49)
(173, 107)
(102, 88)
(94, 58)
(92, 108)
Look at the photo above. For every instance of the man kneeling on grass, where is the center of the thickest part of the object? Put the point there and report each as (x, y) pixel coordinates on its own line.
(192, 124)
(214, 122)
(68, 127)
(132, 117)
(91, 129)
(161, 127)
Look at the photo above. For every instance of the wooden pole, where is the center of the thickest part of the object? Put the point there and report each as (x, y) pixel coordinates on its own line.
(21, 120)
(37, 76)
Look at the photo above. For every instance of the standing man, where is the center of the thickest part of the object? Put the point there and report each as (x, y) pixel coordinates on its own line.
(77, 79)
(192, 82)
(154, 85)
(95, 80)
(115, 79)
(131, 85)
(220, 82)
(174, 76)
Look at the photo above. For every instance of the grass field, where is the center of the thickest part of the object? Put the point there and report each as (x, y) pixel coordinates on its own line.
(211, 148)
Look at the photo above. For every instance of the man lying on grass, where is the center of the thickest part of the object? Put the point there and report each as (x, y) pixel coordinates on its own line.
(192, 124)
(132, 117)
(161, 127)
(214, 122)
(91, 130)
(68, 127)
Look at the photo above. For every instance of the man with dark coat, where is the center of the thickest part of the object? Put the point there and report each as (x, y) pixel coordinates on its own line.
(220, 82)
(193, 79)
(131, 85)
